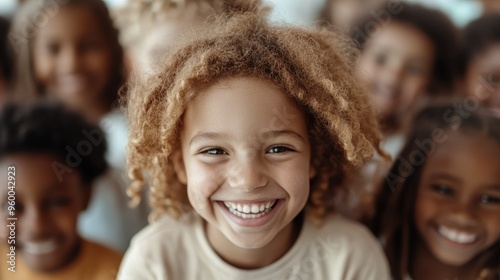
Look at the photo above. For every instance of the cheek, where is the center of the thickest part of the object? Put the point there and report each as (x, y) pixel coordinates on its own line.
(202, 181)
(425, 210)
(492, 223)
(365, 69)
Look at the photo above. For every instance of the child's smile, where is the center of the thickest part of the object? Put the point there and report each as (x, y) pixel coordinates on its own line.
(246, 165)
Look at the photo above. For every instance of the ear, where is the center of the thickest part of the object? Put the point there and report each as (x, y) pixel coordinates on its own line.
(180, 169)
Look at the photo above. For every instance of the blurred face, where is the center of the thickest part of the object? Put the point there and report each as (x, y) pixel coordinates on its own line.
(46, 209)
(457, 211)
(246, 156)
(72, 57)
(396, 64)
(482, 77)
(162, 37)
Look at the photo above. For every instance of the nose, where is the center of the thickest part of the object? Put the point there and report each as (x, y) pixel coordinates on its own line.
(33, 222)
(69, 61)
(463, 213)
(391, 75)
(247, 174)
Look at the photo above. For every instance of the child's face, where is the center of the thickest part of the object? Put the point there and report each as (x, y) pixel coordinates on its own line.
(345, 13)
(396, 64)
(46, 209)
(246, 156)
(482, 78)
(457, 210)
(72, 56)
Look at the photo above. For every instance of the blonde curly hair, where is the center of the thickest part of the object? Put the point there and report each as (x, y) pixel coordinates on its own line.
(306, 65)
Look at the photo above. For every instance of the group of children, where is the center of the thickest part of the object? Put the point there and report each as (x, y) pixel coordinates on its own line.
(241, 138)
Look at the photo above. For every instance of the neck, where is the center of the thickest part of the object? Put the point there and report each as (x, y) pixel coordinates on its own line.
(258, 257)
(424, 265)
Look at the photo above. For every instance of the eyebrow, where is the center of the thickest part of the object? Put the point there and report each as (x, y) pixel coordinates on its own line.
(273, 133)
(443, 176)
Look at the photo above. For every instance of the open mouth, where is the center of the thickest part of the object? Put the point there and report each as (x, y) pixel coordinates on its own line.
(250, 210)
(456, 236)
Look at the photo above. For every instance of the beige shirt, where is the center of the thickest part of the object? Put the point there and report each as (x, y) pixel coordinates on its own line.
(169, 249)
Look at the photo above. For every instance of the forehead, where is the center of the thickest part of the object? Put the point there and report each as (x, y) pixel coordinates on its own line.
(243, 104)
(403, 38)
(72, 21)
(37, 173)
(467, 156)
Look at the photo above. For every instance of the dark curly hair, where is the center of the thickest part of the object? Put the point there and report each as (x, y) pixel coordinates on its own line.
(438, 28)
(394, 223)
(308, 66)
(48, 127)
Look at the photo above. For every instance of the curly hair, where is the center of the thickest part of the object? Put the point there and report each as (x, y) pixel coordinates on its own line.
(438, 28)
(394, 222)
(47, 127)
(305, 65)
(24, 29)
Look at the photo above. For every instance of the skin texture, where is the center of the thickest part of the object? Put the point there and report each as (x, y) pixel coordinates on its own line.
(235, 148)
(46, 209)
(482, 77)
(396, 64)
(72, 60)
(460, 190)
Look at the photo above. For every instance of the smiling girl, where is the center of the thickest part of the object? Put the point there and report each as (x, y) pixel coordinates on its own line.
(441, 200)
(242, 136)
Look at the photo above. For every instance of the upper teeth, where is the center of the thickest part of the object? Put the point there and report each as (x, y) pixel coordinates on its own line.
(38, 248)
(250, 207)
(457, 236)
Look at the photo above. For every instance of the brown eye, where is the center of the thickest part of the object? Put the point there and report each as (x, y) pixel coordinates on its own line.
(489, 199)
(278, 149)
(442, 189)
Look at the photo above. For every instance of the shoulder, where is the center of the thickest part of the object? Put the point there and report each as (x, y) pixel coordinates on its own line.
(351, 247)
(104, 255)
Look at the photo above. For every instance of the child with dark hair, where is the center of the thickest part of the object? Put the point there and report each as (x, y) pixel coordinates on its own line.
(440, 204)
(242, 135)
(50, 158)
(5, 60)
(72, 54)
(481, 61)
(407, 52)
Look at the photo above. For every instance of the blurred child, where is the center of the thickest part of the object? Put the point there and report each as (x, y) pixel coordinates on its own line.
(242, 136)
(50, 158)
(72, 54)
(481, 61)
(440, 216)
(490, 6)
(149, 28)
(405, 55)
(5, 61)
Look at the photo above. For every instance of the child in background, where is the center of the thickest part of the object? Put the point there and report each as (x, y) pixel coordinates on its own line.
(440, 204)
(5, 61)
(149, 28)
(52, 187)
(243, 135)
(408, 53)
(74, 56)
(481, 61)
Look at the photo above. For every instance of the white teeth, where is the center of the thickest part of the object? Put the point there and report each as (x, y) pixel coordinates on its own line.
(39, 248)
(457, 236)
(250, 211)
